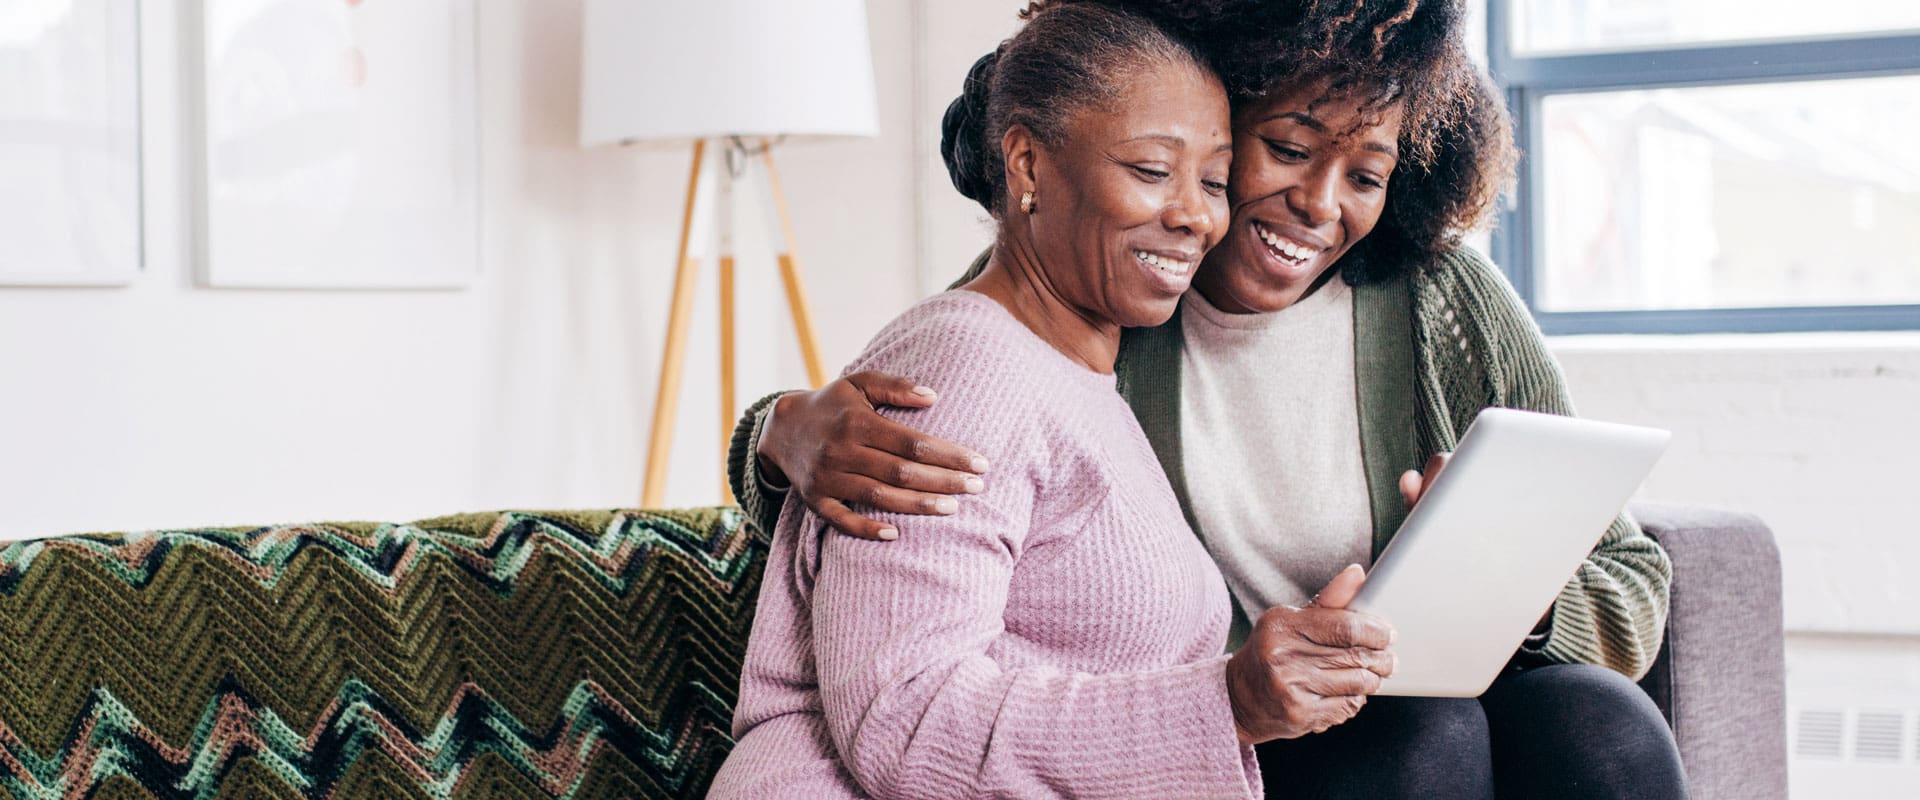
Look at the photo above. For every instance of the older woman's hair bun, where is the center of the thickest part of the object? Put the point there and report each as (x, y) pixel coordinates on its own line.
(963, 132)
(1072, 54)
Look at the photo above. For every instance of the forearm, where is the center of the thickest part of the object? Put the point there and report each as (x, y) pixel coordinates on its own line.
(917, 708)
(760, 502)
(974, 730)
(1614, 611)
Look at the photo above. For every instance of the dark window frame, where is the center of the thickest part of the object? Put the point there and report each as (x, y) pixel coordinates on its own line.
(1529, 80)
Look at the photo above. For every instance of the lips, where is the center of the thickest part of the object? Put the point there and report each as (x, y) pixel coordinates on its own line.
(1291, 252)
(1170, 264)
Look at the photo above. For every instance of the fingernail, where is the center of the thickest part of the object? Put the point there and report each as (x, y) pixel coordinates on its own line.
(946, 505)
(889, 534)
(924, 391)
(977, 463)
(976, 486)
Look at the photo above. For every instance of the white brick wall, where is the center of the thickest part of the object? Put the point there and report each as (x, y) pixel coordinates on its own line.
(1817, 434)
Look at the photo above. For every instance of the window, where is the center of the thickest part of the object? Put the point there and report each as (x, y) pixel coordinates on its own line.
(1712, 165)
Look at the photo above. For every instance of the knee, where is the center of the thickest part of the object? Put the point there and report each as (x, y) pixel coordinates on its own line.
(1585, 726)
(1583, 696)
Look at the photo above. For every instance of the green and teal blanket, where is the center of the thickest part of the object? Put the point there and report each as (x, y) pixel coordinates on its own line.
(586, 654)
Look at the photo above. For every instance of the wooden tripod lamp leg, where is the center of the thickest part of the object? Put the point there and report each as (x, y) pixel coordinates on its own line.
(660, 443)
(725, 198)
(790, 276)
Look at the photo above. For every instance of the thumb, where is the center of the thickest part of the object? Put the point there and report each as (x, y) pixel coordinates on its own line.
(1340, 591)
(883, 389)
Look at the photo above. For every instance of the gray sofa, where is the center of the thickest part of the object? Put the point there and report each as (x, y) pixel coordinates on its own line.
(1721, 676)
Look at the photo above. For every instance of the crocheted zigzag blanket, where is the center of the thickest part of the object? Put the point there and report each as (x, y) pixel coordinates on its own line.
(589, 654)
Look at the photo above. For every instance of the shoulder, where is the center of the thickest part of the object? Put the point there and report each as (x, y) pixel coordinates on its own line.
(956, 332)
(999, 384)
(1464, 277)
(1462, 289)
(1470, 317)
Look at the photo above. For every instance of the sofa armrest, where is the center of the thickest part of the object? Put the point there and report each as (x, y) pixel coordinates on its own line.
(1721, 674)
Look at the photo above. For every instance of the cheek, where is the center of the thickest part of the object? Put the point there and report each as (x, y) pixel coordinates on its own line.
(1362, 215)
(1125, 203)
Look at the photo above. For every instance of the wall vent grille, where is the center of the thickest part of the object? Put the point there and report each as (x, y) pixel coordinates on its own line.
(1877, 736)
(1819, 733)
(1857, 735)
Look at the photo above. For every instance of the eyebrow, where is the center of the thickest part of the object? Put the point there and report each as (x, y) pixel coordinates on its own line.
(1225, 147)
(1317, 126)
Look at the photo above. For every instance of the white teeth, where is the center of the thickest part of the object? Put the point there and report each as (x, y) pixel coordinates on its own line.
(1170, 266)
(1291, 250)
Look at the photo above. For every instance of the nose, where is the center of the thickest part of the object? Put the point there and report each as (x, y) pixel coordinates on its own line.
(1190, 210)
(1316, 199)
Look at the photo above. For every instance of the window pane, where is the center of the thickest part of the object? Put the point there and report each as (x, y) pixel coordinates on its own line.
(1786, 194)
(1542, 26)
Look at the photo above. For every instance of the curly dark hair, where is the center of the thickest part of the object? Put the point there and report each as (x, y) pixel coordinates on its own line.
(1069, 56)
(1456, 140)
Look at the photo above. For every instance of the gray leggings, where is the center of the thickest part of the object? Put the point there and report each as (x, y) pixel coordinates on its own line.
(1563, 731)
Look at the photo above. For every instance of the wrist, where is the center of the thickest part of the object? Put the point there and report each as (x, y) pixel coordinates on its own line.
(1235, 703)
(766, 449)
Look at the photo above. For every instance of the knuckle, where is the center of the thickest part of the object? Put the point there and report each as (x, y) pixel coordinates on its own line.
(872, 495)
(847, 423)
(919, 449)
(900, 474)
(1275, 620)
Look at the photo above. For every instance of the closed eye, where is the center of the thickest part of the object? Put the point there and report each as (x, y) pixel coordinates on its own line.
(1150, 173)
(1285, 151)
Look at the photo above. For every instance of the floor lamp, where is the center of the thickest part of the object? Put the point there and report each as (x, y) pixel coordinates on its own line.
(735, 78)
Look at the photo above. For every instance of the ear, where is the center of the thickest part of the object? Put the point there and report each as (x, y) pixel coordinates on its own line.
(1018, 150)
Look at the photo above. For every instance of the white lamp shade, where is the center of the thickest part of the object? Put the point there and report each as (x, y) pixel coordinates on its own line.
(694, 69)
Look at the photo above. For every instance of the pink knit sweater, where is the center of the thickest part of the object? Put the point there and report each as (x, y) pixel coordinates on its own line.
(1059, 637)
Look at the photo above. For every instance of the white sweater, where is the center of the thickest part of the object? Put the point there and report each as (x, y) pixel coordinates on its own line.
(1271, 434)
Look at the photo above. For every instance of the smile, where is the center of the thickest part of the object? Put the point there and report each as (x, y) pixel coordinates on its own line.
(1168, 265)
(1290, 251)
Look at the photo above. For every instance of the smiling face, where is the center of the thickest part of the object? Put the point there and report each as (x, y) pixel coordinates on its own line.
(1309, 181)
(1132, 197)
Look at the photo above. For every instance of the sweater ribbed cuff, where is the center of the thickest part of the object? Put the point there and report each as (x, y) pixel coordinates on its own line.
(761, 504)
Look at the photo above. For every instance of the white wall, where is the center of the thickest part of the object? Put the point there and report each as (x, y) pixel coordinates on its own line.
(163, 404)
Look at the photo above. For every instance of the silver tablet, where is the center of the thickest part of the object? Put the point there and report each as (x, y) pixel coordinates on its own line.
(1498, 534)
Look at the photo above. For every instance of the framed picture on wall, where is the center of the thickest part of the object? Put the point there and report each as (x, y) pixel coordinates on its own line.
(339, 144)
(69, 143)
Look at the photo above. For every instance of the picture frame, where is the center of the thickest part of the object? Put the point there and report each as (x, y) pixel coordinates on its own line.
(339, 145)
(70, 165)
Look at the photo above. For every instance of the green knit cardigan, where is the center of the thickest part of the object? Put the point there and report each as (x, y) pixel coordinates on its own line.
(1432, 347)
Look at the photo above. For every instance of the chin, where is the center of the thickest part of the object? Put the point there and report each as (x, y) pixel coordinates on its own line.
(1150, 314)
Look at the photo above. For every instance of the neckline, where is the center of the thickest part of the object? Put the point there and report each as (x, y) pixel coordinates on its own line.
(1335, 291)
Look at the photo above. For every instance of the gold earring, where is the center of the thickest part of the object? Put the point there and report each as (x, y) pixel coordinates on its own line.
(1026, 202)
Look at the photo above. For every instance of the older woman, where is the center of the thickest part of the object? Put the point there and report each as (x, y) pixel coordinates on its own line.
(1062, 634)
(1337, 339)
